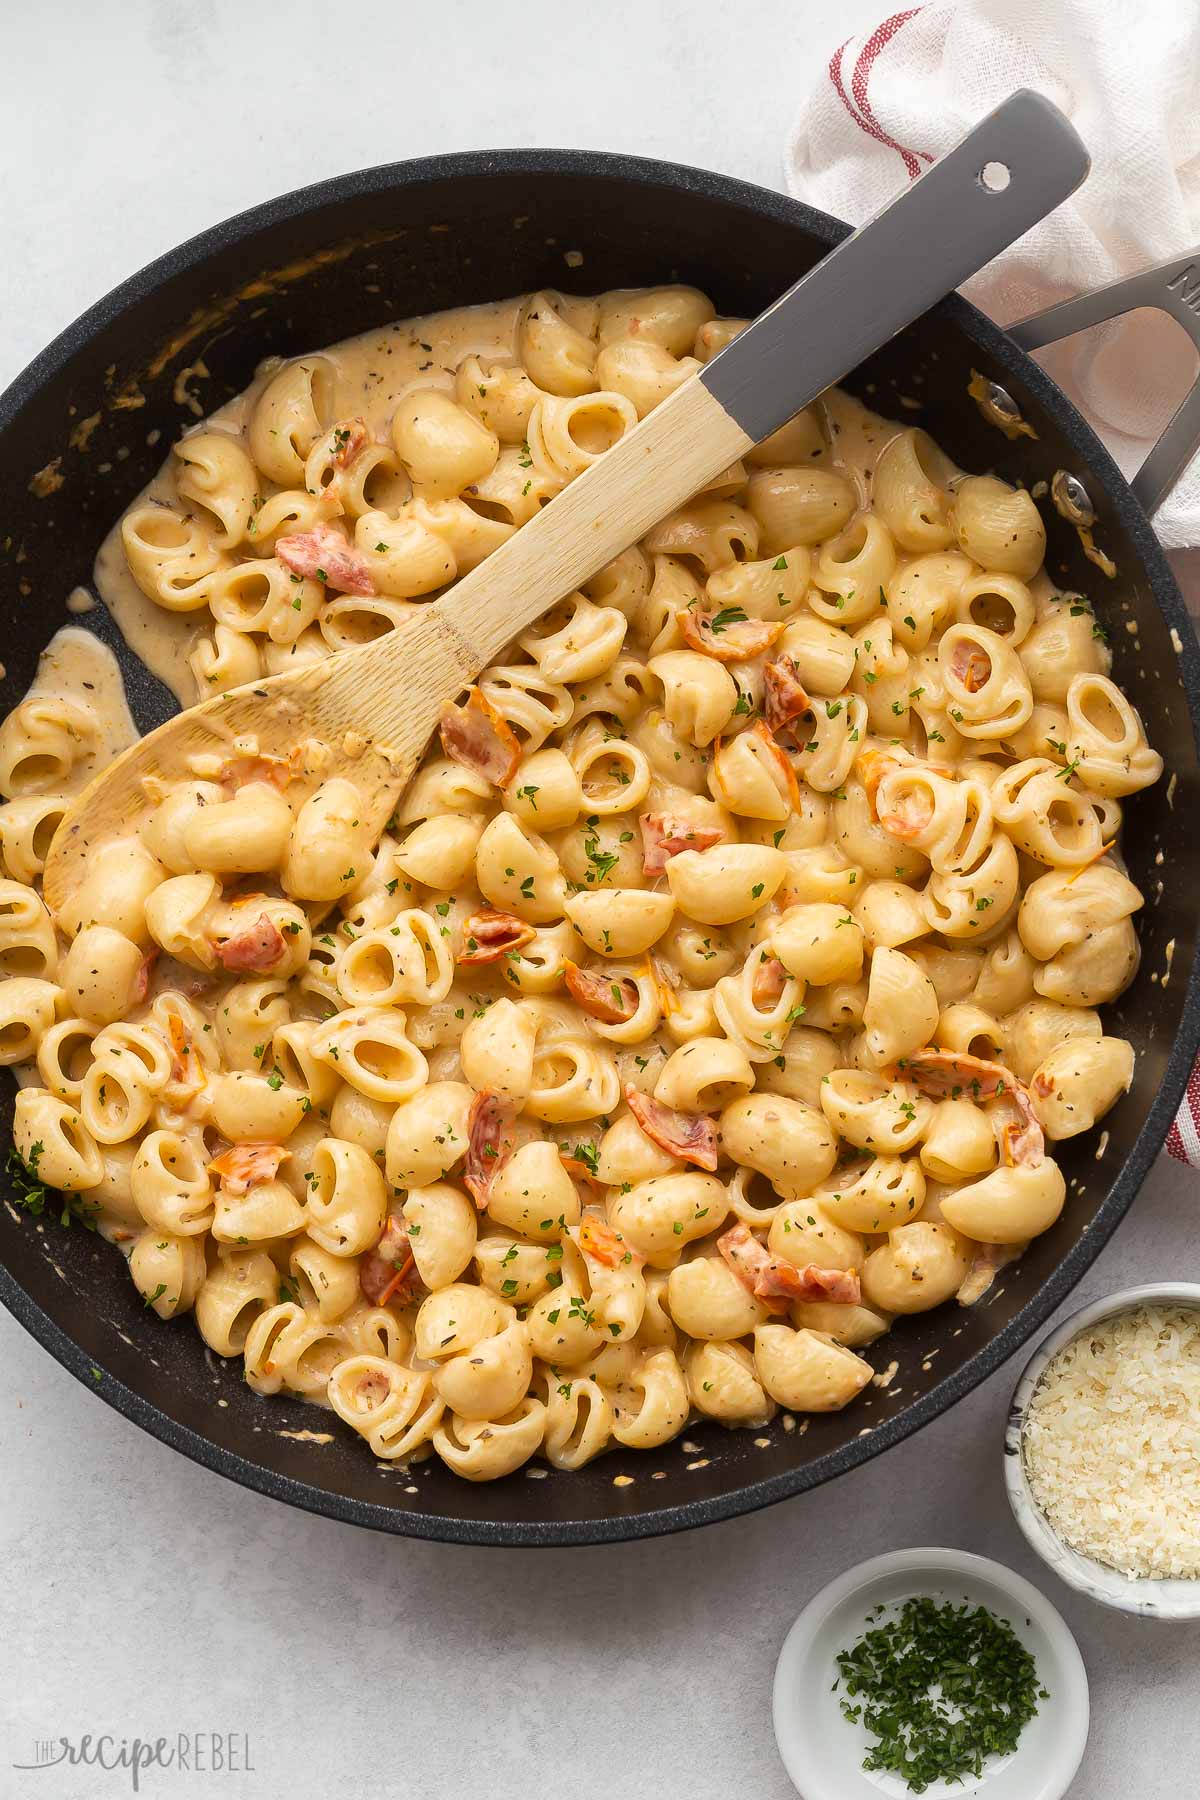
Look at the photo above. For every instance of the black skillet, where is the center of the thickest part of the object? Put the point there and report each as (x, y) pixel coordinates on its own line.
(336, 259)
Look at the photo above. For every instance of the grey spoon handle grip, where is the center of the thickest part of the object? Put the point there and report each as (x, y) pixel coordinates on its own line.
(938, 232)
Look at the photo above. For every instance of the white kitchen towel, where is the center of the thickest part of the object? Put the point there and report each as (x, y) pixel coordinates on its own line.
(1127, 73)
(1183, 1139)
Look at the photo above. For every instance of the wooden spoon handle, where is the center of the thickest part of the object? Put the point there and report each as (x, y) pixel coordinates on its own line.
(684, 442)
(1017, 164)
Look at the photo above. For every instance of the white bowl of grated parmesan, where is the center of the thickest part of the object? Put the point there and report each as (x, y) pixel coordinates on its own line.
(1102, 1450)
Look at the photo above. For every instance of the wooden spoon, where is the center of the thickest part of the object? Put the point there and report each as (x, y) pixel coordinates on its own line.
(376, 707)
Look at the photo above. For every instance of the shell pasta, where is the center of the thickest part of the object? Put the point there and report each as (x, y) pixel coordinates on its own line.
(722, 982)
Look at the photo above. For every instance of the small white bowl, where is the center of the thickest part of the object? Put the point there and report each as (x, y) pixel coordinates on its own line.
(1174, 1599)
(822, 1751)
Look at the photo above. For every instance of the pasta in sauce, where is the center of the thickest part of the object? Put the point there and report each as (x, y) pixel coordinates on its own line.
(714, 993)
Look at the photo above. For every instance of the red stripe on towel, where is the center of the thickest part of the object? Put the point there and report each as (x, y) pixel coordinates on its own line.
(859, 107)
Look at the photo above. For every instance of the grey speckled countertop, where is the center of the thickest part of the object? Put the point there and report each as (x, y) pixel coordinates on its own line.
(143, 1596)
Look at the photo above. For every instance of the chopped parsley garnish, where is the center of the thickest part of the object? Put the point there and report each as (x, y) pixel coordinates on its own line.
(31, 1193)
(603, 861)
(588, 1154)
(28, 1191)
(939, 1688)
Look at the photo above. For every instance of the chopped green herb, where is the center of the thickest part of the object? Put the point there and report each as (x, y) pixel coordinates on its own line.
(31, 1193)
(939, 1688)
(28, 1191)
(588, 1154)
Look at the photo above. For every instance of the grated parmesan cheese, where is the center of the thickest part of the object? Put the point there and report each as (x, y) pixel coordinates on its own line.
(1112, 1442)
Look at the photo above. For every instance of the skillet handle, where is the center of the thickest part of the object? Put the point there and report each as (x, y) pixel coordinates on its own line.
(1172, 287)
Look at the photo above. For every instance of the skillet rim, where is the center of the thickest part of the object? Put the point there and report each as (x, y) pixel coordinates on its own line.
(988, 337)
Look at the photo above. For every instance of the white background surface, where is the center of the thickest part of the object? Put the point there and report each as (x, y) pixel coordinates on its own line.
(139, 1594)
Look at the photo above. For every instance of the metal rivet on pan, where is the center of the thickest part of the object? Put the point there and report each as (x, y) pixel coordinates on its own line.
(1070, 499)
(998, 405)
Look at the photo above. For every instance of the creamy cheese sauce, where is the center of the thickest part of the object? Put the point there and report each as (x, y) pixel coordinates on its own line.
(76, 666)
(372, 374)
